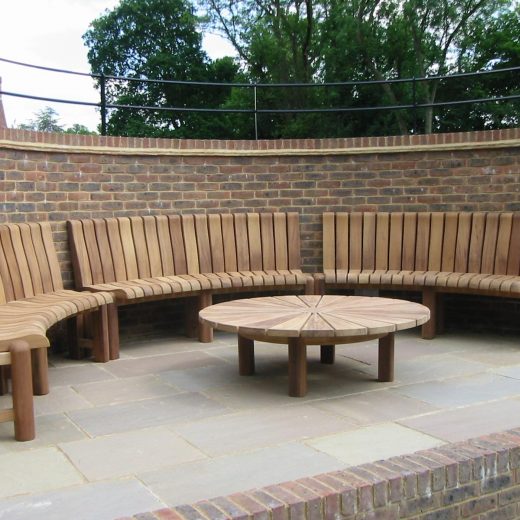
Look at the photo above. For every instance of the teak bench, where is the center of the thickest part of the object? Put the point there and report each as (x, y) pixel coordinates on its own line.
(32, 299)
(433, 253)
(167, 256)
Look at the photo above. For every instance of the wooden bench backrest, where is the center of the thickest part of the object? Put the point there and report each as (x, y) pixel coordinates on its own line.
(126, 248)
(457, 242)
(28, 261)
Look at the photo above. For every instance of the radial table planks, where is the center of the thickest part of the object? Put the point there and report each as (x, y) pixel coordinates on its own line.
(314, 320)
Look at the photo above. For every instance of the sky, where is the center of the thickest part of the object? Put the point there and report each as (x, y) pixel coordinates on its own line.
(49, 33)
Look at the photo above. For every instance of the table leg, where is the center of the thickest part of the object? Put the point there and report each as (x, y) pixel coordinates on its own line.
(386, 358)
(246, 356)
(297, 367)
(327, 354)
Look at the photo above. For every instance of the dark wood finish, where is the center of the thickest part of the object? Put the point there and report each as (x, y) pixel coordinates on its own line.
(385, 367)
(246, 356)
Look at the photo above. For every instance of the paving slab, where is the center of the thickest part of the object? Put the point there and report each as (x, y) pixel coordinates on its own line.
(373, 407)
(471, 421)
(99, 501)
(33, 471)
(462, 391)
(224, 475)
(374, 443)
(126, 454)
(59, 400)
(125, 390)
(70, 374)
(104, 420)
(260, 428)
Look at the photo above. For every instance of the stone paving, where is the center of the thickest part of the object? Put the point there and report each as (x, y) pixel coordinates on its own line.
(172, 422)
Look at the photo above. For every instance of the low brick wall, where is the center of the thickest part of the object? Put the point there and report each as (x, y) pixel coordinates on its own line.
(477, 479)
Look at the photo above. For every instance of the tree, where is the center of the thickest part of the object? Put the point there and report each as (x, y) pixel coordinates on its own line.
(47, 120)
(156, 39)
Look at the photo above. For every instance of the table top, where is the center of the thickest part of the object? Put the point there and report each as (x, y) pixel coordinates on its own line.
(315, 316)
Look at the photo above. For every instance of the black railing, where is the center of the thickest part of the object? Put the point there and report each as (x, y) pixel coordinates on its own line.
(255, 111)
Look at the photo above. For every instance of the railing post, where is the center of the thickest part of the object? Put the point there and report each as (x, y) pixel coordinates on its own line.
(102, 86)
(414, 110)
(256, 112)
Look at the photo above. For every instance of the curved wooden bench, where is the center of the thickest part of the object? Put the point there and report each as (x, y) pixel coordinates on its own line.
(166, 256)
(32, 300)
(458, 252)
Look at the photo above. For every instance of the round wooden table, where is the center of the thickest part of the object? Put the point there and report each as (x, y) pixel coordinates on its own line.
(314, 320)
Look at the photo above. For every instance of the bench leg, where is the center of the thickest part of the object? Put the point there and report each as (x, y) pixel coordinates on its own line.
(40, 371)
(319, 284)
(204, 300)
(385, 365)
(297, 367)
(246, 356)
(23, 407)
(309, 287)
(429, 299)
(100, 339)
(327, 353)
(75, 329)
(113, 330)
(191, 318)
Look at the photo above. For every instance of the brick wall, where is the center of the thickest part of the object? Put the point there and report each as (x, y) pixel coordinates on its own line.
(55, 177)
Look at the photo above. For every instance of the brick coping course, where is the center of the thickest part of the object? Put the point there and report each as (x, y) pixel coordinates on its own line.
(477, 479)
(109, 145)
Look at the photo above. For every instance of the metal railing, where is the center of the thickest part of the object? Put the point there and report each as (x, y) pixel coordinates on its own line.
(255, 111)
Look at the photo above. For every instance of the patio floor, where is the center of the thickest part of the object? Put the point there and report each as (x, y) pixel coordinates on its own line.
(172, 422)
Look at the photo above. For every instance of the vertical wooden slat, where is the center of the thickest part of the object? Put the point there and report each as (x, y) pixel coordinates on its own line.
(329, 241)
(513, 259)
(342, 240)
(116, 248)
(422, 242)
(20, 261)
(369, 240)
(356, 241)
(141, 252)
(93, 251)
(8, 280)
(52, 256)
(382, 240)
(165, 245)
(30, 255)
(255, 241)
(128, 247)
(217, 243)
(268, 252)
(152, 245)
(33, 245)
(241, 241)
(462, 248)
(436, 240)
(230, 247)
(190, 244)
(490, 244)
(107, 264)
(293, 240)
(476, 242)
(179, 253)
(80, 260)
(449, 242)
(409, 241)
(3, 293)
(203, 244)
(504, 239)
(280, 241)
(396, 241)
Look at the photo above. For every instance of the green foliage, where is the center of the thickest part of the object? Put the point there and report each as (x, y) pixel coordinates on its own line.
(47, 120)
(157, 39)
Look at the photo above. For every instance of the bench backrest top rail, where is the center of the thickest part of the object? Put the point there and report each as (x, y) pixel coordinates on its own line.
(472, 242)
(126, 248)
